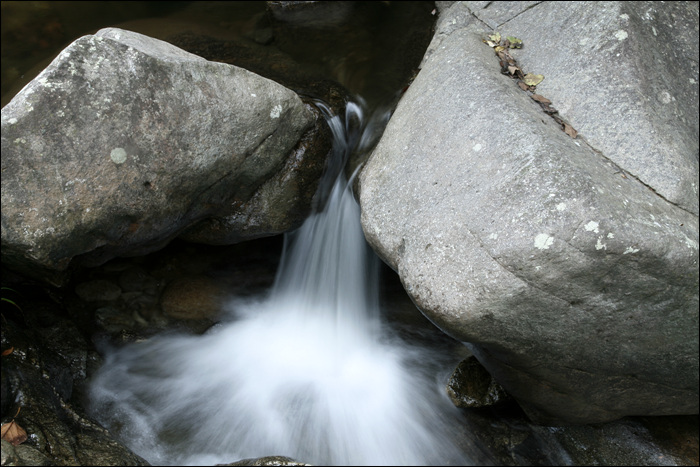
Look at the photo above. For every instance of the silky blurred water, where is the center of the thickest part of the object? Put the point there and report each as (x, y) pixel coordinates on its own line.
(310, 371)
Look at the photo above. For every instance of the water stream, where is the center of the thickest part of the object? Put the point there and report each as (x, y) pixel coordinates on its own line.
(310, 371)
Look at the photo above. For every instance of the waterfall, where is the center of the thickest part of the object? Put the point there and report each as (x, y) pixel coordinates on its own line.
(310, 371)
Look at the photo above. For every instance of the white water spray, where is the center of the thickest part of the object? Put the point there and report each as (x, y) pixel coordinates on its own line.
(309, 372)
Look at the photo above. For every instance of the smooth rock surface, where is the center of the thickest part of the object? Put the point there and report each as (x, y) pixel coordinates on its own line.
(625, 74)
(125, 141)
(573, 282)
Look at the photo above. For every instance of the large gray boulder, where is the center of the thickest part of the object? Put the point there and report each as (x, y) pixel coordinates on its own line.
(125, 142)
(568, 266)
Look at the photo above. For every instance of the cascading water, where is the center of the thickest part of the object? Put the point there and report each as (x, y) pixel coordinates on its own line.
(310, 371)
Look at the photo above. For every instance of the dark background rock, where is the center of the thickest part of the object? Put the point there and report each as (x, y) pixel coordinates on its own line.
(43, 376)
(472, 386)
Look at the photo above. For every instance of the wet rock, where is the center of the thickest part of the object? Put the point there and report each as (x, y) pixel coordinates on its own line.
(40, 378)
(22, 455)
(98, 290)
(125, 141)
(572, 280)
(135, 279)
(268, 460)
(472, 386)
(195, 298)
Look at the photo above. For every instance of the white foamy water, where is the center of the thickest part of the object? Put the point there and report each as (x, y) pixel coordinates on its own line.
(311, 371)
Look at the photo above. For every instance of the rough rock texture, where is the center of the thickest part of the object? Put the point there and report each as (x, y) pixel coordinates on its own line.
(470, 385)
(573, 280)
(47, 364)
(268, 460)
(124, 141)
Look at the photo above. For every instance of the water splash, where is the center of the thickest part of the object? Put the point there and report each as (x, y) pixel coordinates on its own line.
(310, 372)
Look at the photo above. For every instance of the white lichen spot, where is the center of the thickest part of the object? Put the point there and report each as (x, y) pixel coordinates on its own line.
(611, 235)
(543, 241)
(592, 226)
(276, 111)
(20, 141)
(477, 147)
(600, 245)
(621, 35)
(629, 250)
(665, 97)
(561, 206)
(493, 236)
(653, 29)
(692, 81)
(253, 95)
(624, 16)
(118, 155)
(12, 121)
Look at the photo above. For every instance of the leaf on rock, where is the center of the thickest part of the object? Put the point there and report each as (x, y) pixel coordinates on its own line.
(499, 48)
(523, 86)
(569, 130)
(512, 69)
(8, 351)
(496, 37)
(532, 79)
(491, 43)
(13, 433)
(540, 98)
(548, 109)
(515, 43)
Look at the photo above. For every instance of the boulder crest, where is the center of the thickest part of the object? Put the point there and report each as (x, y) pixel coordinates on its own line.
(124, 142)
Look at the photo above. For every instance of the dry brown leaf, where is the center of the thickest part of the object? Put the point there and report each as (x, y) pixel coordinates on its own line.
(512, 69)
(569, 130)
(548, 109)
(13, 433)
(540, 98)
(523, 86)
(8, 351)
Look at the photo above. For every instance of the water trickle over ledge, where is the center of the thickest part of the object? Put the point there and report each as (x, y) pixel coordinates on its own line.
(311, 371)
(126, 295)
